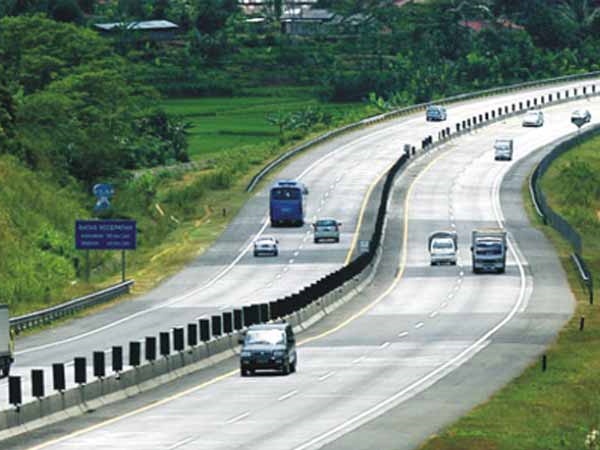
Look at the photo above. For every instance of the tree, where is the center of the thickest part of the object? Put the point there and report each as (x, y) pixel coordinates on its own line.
(579, 13)
(212, 14)
(87, 6)
(280, 119)
(8, 111)
(159, 11)
(67, 11)
(37, 50)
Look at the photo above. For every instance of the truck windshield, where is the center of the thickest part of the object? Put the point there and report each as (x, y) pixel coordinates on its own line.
(489, 248)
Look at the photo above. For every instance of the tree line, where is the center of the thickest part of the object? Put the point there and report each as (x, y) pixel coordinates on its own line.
(79, 104)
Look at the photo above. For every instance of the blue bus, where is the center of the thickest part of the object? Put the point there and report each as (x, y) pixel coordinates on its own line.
(287, 203)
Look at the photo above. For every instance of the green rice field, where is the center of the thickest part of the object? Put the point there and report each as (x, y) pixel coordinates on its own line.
(221, 123)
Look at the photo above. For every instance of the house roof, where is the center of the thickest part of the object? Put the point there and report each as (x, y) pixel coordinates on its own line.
(478, 25)
(314, 15)
(142, 25)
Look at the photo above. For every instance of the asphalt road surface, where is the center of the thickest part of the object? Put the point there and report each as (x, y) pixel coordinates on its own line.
(418, 348)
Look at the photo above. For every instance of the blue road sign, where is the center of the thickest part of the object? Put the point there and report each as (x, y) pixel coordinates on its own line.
(103, 193)
(105, 234)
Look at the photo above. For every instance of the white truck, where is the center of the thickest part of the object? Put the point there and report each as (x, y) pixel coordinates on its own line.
(488, 250)
(442, 246)
(6, 342)
(503, 149)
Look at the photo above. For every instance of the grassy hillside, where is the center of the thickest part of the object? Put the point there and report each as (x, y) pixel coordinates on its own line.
(37, 258)
(557, 409)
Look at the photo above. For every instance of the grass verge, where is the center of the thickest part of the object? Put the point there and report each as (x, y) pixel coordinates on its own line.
(556, 410)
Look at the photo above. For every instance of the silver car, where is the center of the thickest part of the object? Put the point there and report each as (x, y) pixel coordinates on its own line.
(435, 113)
(327, 229)
(581, 116)
(533, 119)
(266, 245)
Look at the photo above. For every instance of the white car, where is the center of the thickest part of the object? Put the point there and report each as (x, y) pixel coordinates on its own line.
(581, 116)
(266, 245)
(443, 251)
(533, 118)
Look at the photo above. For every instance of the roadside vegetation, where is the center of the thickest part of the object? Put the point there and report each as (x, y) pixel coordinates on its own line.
(179, 126)
(559, 408)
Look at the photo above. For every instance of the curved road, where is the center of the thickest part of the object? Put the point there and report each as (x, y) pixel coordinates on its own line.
(427, 330)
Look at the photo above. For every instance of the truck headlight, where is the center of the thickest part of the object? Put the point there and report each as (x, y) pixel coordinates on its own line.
(278, 353)
(245, 354)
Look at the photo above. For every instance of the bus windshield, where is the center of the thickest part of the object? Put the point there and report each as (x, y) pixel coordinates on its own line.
(285, 193)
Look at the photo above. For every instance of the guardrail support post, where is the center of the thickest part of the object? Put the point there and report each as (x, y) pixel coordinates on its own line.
(165, 343)
(150, 348)
(58, 377)
(192, 334)
(80, 368)
(14, 392)
(178, 339)
(99, 364)
(238, 319)
(135, 349)
(37, 383)
(117, 359)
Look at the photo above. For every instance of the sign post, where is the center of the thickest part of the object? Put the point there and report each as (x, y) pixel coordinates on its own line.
(106, 235)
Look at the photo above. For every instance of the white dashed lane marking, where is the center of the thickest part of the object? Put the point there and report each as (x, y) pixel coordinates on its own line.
(327, 375)
(181, 443)
(238, 417)
(288, 395)
(419, 325)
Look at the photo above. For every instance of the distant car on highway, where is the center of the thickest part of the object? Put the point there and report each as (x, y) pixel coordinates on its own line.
(266, 245)
(581, 116)
(533, 118)
(327, 229)
(503, 149)
(442, 246)
(269, 346)
(436, 113)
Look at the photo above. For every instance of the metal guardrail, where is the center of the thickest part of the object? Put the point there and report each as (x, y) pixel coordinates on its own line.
(47, 315)
(550, 217)
(408, 110)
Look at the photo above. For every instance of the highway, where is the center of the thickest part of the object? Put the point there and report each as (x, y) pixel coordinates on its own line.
(227, 275)
(412, 332)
